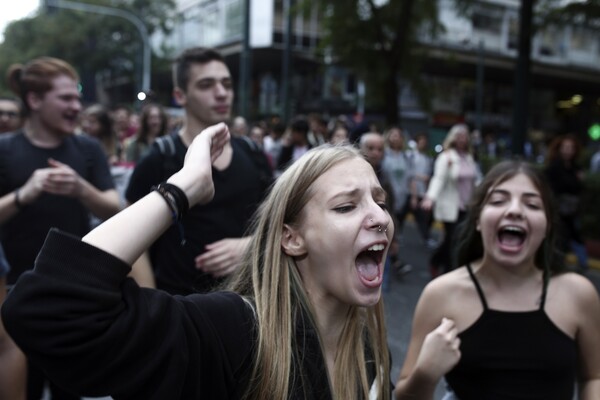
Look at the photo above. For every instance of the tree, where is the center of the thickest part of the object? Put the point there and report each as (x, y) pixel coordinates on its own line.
(96, 45)
(379, 41)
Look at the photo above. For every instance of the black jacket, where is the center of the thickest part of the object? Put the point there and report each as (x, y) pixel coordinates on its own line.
(96, 333)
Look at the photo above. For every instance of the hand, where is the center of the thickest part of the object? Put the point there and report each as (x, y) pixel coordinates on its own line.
(414, 202)
(62, 180)
(440, 351)
(426, 204)
(58, 178)
(195, 178)
(222, 257)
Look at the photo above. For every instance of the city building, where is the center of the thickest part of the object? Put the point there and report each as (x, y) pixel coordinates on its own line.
(565, 79)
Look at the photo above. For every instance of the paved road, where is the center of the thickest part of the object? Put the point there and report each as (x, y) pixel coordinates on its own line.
(403, 293)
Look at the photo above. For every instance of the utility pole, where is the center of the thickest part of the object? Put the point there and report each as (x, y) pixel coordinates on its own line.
(480, 86)
(116, 12)
(245, 63)
(522, 79)
(286, 62)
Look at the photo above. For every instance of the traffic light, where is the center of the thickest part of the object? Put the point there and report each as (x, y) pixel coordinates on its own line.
(594, 132)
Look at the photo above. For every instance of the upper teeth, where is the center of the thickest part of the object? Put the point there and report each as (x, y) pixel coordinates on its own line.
(376, 247)
(513, 228)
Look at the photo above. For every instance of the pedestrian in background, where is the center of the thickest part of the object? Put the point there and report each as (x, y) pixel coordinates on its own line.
(513, 325)
(339, 135)
(565, 175)
(50, 177)
(296, 144)
(195, 255)
(96, 123)
(302, 319)
(10, 114)
(153, 124)
(422, 164)
(397, 165)
(455, 175)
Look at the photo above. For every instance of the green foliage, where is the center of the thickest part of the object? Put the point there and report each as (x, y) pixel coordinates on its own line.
(379, 43)
(91, 42)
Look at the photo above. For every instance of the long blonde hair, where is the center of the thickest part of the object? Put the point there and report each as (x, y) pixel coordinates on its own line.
(271, 280)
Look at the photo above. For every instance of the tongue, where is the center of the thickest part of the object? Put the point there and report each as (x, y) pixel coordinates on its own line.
(367, 267)
(510, 239)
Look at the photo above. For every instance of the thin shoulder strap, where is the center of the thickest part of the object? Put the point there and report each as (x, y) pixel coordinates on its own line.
(479, 291)
(545, 280)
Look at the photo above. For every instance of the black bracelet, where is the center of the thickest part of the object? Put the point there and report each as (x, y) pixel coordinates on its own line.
(175, 198)
(17, 200)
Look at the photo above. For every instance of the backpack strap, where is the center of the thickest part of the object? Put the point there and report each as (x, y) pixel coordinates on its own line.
(166, 144)
(167, 148)
(259, 158)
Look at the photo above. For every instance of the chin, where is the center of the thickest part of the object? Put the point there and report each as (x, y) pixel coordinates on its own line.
(368, 300)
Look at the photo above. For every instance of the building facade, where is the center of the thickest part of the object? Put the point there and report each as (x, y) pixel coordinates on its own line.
(564, 91)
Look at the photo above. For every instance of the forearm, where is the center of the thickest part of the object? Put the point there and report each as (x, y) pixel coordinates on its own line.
(142, 273)
(417, 386)
(103, 204)
(590, 389)
(8, 207)
(129, 233)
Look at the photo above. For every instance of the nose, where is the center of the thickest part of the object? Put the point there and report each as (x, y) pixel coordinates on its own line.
(220, 90)
(379, 218)
(515, 208)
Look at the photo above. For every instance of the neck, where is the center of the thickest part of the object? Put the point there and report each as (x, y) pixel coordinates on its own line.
(40, 136)
(191, 128)
(330, 319)
(511, 276)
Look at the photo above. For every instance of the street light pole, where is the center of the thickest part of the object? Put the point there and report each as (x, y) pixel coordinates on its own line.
(116, 12)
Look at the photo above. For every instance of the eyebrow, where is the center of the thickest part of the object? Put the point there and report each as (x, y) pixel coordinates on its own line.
(507, 193)
(376, 191)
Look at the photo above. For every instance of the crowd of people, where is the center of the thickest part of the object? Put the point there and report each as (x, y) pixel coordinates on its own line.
(247, 261)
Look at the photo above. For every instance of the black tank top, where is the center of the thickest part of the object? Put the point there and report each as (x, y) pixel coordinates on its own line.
(509, 355)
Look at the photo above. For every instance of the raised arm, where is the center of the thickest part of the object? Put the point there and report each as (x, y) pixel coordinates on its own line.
(133, 230)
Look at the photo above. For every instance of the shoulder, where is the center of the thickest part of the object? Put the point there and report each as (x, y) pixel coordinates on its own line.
(7, 138)
(576, 289)
(216, 304)
(84, 139)
(435, 295)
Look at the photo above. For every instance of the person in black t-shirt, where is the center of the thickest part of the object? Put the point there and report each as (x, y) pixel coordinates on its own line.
(208, 244)
(514, 324)
(49, 177)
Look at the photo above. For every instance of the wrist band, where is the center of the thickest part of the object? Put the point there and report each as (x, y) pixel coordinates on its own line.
(175, 198)
(17, 201)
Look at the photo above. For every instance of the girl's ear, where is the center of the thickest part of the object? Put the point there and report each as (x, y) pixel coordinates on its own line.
(292, 242)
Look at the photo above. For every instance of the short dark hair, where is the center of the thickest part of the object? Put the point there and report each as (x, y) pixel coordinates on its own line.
(194, 55)
(300, 124)
(470, 245)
